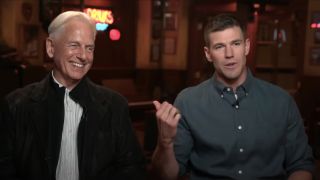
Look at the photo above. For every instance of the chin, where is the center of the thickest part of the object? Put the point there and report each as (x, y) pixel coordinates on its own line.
(231, 75)
(77, 77)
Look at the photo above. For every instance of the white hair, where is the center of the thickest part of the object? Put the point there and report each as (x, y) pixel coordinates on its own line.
(64, 17)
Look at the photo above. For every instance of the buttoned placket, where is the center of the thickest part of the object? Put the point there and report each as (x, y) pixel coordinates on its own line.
(240, 129)
(239, 126)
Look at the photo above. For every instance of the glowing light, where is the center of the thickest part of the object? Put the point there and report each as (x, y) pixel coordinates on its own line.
(318, 25)
(256, 5)
(114, 34)
(100, 16)
(101, 26)
(314, 25)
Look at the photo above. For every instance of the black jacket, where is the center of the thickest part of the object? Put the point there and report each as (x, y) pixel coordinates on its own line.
(31, 129)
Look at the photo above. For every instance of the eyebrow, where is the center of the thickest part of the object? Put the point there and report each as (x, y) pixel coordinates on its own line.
(73, 42)
(237, 40)
(89, 45)
(233, 41)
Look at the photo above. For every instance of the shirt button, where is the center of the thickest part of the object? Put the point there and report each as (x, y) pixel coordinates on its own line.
(239, 127)
(237, 106)
(228, 89)
(241, 150)
(221, 95)
(239, 171)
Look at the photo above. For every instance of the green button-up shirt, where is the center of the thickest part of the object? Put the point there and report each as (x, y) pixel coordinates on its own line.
(253, 133)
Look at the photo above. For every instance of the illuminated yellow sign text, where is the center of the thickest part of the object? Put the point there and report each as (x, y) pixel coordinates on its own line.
(100, 16)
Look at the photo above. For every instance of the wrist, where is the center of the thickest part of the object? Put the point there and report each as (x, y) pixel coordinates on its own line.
(165, 144)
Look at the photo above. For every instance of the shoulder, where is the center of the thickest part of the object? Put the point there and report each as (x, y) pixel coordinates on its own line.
(101, 93)
(270, 88)
(195, 93)
(25, 95)
(271, 91)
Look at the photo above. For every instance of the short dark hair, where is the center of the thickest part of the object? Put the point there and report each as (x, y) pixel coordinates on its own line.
(220, 23)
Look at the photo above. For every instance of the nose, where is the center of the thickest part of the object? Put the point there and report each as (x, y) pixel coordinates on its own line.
(228, 52)
(82, 54)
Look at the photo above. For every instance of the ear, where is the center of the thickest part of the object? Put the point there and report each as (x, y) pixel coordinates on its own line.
(247, 46)
(50, 47)
(207, 53)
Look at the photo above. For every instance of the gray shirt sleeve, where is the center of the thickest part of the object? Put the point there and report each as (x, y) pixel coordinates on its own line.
(183, 141)
(298, 153)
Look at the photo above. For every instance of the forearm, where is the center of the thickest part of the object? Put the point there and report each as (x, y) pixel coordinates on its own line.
(164, 163)
(300, 175)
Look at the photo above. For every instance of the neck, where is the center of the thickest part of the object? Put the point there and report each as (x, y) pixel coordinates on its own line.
(233, 83)
(69, 84)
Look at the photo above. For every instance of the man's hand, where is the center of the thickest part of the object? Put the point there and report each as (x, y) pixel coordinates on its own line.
(167, 119)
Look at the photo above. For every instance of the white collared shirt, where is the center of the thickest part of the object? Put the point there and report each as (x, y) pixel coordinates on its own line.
(67, 168)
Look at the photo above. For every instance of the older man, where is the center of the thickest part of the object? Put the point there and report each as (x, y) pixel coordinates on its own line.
(66, 127)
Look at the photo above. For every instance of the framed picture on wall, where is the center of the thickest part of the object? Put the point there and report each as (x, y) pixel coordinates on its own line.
(156, 9)
(170, 45)
(29, 40)
(170, 21)
(155, 52)
(48, 10)
(315, 56)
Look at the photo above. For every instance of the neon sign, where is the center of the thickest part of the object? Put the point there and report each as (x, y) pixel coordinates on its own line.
(114, 34)
(100, 16)
(315, 25)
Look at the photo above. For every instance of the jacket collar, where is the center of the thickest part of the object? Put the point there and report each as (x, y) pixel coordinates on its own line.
(85, 89)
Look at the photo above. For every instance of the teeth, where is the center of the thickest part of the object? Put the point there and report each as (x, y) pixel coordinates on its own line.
(77, 64)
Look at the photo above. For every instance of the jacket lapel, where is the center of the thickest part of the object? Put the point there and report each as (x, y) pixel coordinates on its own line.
(47, 116)
(95, 109)
(39, 112)
(39, 119)
(94, 117)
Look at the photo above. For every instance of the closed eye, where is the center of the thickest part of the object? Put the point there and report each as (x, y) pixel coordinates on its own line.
(73, 45)
(237, 43)
(218, 46)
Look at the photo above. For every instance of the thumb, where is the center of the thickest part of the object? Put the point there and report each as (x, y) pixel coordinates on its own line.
(156, 104)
